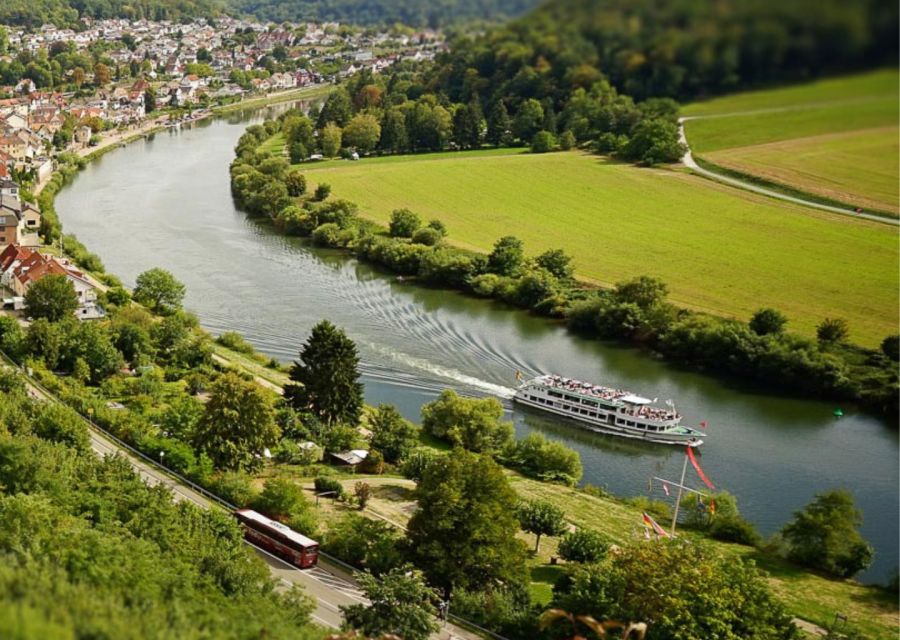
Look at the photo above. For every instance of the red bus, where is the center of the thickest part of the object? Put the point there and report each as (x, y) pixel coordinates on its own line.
(278, 539)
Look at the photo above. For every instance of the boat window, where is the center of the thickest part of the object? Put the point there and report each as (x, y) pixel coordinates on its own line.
(555, 394)
(589, 403)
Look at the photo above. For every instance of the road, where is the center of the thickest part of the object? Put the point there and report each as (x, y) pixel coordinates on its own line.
(328, 583)
(690, 163)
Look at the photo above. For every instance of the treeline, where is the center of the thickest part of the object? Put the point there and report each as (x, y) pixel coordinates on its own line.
(683, 50)
(68, 13)
(90, 550)
(415, 13)
(760, 352)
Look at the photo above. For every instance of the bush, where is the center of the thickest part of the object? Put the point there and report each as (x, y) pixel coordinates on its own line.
(236, 342)
(543, 142)
(364, 543)
(324, 484)
(327, 235)
(404, 223)
(566, 140)
(281, 500)
(373, 463)
(472, 423)
(427, 236)
(295, 183)
(583, 545)
(414, 464)
(234, 487)
(890, 347)
(438, 226)
(322, 192)
(551, 461)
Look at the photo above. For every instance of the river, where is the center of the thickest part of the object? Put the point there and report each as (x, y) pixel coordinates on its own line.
(166, 202)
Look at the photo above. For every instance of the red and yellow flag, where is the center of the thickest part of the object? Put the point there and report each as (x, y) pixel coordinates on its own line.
(650, 523)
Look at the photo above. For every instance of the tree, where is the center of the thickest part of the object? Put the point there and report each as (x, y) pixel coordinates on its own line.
(507, 257)
(52, 297)
(643, 291)
(336, 110)
(364, 543)
(362, 491)
(529, 120)
(159, 290)
(295, 183)
(392, 435)
(281, 499)
(681, 589)
(890, 347)
(583, 545)
(543, 142)
(567, 140)
(330, 140)
(101, 75)
(323, 190)
(326, 378)
(400, 603)
(237, 424)
(394, 138)
(542, 519)
(824, 535)
(463, 534)
(471, 423)
(467, 126)
(767, 321)
(832, 330)
(654, 141)
(404, 223)
(499, 126)
(556, 262)
(362, 132)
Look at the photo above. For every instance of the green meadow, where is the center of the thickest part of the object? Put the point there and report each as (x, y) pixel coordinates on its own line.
(719, 249)
(836, 138)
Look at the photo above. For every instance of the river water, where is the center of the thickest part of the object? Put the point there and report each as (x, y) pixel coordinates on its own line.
(166, 202)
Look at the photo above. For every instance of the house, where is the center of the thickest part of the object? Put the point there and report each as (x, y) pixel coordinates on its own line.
(9, 229)
(28, 215)
(8, 187)
(350, 458)
(29, 267)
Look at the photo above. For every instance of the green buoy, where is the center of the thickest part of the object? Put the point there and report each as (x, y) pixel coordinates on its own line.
(838, 413)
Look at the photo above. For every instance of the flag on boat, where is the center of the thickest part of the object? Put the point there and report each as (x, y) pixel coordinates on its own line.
(666, 488)
(696, 465)
(650, 523)
(703, 424)
(519, 376)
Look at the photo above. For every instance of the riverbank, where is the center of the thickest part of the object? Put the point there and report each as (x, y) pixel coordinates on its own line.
(304, 93)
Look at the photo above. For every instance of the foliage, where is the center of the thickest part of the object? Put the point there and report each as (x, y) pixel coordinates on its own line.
(824, 536)
(159, 290)
(326, 378)
(832, 330)
(463, 533)
(52, 297)
(416, 461)
(427, 236)
(324, 484)
(362, 132)
(367, 544)
(654, 141)
(472, 423)
(681, 590)
(542, 519)
(237, 423)
(295, 183)
(547, 460)
(507, 257)
(392, 434)
(281, 499)
(404, 223)
(722, 521)
(362, 491)
(890, 347)
(543, 142)
(400, 603)
(767, 321)
(583, 545)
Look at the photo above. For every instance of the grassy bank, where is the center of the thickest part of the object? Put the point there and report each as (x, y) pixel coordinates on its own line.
(305, 93)
(835, 138)
(720, 249)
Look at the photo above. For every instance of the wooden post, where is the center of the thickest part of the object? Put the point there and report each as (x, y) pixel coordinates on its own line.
(680, 491)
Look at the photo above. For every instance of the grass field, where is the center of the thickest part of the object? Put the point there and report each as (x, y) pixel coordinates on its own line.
(719, 249)
(837, 138)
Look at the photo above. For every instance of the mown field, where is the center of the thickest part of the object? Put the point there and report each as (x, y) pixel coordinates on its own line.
(719, 249)
(836, 138)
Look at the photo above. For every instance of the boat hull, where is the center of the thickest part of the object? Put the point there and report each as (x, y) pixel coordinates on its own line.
(684, 440)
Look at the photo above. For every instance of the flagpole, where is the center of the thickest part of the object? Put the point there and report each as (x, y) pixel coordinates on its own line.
(680, 491)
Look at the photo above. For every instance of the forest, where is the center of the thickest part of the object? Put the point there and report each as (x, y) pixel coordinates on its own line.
(67, 13)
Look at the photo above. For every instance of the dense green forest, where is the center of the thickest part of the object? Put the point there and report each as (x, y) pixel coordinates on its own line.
(90, 551)
(682, 49)
(416, 13)
(66, 13)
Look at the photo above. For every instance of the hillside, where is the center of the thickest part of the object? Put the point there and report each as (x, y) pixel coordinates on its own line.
(835, 138)
(66, 13)
(682, 49)
(418, 13)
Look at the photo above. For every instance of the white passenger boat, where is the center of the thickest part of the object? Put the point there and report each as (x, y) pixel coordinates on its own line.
(607, 410)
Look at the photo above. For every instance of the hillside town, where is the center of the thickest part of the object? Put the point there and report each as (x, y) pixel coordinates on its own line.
(60, 89)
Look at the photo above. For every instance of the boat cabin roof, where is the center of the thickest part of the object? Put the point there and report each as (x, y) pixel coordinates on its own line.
(633, 399)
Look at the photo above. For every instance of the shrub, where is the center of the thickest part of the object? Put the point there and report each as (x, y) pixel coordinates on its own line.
(413, 465)
(543, 142)
(551, 461)
(438, 226)
(404, 223)
(583, 545)
(767, 321)
(281, 500)
(373, 463)
(322, 192)
(235, 341)
(427, 236)
(234, 487)
(295, 183)
(832, 330)
(364, 543)
(566, 140)
(327, 235)
(324, 484)
(890, 347)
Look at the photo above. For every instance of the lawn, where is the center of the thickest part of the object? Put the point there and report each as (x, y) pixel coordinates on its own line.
(719, 249)
(836, 138)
